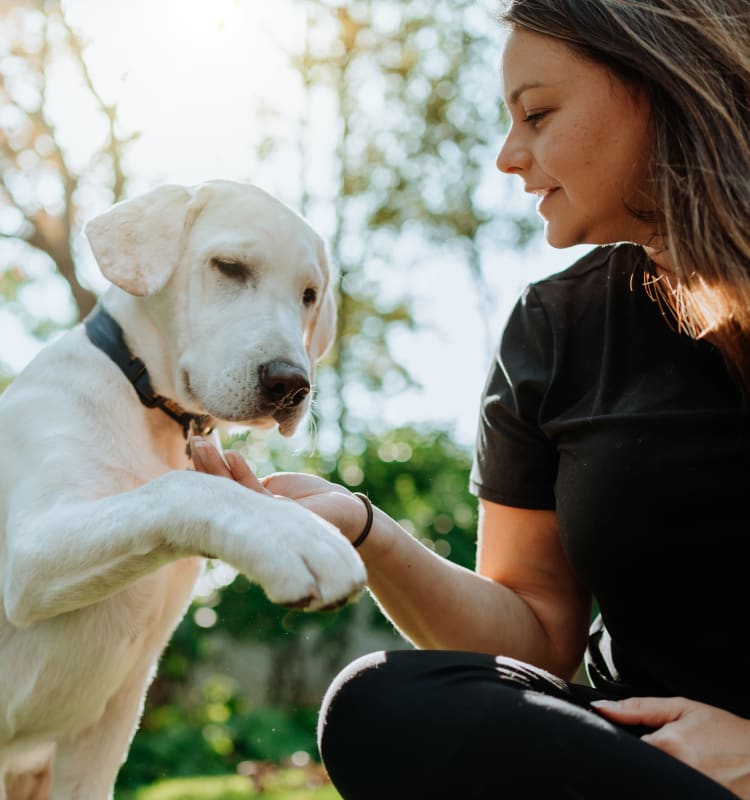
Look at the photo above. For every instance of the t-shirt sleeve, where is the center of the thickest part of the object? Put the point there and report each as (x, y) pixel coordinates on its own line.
(515, 464)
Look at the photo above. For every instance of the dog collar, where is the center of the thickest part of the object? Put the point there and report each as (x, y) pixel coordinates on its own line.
(105, 332)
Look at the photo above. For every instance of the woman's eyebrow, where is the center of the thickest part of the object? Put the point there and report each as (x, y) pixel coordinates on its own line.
(518, 91)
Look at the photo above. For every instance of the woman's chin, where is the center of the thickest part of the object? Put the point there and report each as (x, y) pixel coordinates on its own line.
(559, 239)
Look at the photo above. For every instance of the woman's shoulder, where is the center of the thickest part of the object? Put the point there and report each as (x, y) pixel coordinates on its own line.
(600, 265)
(605, 276)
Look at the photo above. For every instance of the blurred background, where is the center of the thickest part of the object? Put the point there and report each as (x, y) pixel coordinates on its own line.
(380, 122)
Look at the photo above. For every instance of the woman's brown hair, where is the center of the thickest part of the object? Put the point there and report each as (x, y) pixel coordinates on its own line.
(693, 58)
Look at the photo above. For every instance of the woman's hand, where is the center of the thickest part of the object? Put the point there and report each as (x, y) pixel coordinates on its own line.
(708, 739)
(334, 503)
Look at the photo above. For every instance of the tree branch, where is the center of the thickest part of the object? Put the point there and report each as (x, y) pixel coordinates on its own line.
(115, 144)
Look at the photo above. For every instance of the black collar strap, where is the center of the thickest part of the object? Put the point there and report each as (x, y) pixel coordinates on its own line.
(106, 334)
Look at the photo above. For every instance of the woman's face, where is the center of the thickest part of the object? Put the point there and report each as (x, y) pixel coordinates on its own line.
(580, 139)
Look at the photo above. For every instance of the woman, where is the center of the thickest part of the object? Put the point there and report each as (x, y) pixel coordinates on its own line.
(613, 451)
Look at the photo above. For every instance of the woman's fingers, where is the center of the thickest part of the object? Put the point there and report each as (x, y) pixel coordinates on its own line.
(207, 459)
(242, 473)
(653, 711)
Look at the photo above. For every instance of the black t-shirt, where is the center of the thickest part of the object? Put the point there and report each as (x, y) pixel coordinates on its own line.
(639, 439)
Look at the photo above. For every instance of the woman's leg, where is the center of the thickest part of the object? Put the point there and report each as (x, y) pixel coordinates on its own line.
(453, 725)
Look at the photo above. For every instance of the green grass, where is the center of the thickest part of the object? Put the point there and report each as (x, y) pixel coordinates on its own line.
(284, 784)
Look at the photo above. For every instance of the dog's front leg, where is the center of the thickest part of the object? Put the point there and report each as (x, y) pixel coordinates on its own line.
(87, 763)
(75, 553)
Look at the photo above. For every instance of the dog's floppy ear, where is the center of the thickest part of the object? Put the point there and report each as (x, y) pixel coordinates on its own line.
(323, 330)
(322, 333)
(137, 243)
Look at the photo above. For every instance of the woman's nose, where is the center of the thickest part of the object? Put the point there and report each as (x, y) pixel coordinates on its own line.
(514, 157)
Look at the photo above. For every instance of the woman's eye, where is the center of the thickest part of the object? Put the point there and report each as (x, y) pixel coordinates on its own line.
(309, 297)
(535, 118)
(232, 269)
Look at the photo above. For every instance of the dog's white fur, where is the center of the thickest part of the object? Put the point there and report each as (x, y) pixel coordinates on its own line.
(102, 524)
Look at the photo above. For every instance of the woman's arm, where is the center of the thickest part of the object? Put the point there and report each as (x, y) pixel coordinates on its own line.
(523, 601)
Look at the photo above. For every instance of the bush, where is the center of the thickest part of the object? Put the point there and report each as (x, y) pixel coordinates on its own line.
(183, 740)
(286, 784)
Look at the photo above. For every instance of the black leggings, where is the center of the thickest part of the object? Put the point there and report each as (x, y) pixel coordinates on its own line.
(428, 725)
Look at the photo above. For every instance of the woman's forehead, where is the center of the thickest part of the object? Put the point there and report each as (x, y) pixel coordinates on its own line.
(533, 60)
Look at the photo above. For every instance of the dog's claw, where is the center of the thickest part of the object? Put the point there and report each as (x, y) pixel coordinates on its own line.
(335, 606)
(303, 602)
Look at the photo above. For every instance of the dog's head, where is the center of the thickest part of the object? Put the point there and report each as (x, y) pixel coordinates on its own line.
(235, 291)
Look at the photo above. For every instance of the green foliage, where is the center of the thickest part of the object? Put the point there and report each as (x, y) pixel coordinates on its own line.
(202, 736)
(285, 784)
(234, 787)
(420, 479)
(209, 729)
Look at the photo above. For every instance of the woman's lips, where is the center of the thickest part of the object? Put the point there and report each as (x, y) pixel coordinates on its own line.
(544, 197)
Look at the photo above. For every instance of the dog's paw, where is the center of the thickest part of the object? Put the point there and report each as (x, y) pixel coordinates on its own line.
(308, 564)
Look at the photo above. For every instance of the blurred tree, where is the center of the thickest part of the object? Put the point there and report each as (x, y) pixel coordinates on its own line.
(418, 125)
(51, 166)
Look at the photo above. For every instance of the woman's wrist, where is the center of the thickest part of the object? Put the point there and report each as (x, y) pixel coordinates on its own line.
(367, 527)
(352, 519)
(381, 537)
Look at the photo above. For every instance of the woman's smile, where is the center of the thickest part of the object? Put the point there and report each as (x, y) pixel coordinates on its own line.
(544, 197)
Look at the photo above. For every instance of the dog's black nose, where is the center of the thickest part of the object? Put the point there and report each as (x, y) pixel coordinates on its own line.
(283, 383)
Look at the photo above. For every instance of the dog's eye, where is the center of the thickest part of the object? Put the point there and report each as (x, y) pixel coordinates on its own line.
(232, 269)
(309, 297)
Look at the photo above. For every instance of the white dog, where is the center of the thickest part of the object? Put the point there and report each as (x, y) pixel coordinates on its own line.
(223, 293)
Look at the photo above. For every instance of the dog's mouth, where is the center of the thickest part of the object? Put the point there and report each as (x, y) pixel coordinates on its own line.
(257, 412)
(287, 418)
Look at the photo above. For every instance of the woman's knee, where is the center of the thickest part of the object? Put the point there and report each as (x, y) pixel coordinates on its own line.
(351, 699)
(383, 689)
(401, 690)
(413, 717)
(350, 723)
(386, 699)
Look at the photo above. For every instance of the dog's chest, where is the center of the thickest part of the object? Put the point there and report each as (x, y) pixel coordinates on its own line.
(142, 617)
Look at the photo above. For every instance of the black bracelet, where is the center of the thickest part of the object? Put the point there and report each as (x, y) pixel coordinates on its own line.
(366, 530)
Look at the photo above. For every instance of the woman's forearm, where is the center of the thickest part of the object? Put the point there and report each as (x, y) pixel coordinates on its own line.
(437, 604)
